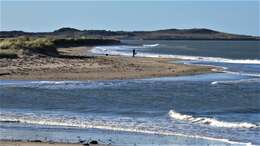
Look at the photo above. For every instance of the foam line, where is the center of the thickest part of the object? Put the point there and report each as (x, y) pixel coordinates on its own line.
(210, 121)
(126, 51)
(72, 122)
(236, 81)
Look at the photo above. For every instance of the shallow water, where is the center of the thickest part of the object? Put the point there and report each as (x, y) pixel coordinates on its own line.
(225, 49)
(199, 109)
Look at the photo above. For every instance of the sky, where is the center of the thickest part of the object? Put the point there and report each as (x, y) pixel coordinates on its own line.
(233, 16)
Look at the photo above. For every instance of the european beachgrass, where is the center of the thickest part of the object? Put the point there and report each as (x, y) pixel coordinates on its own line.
(14, 47)
(19, 46)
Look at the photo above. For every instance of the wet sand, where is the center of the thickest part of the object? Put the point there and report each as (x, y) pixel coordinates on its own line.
(78, 64)
(19, 143)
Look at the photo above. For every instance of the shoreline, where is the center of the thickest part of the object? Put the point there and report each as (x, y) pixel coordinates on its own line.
(178, 139)
(78, 63)
(39, 143)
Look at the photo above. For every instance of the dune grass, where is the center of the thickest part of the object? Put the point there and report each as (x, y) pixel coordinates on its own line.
(27, 45)
(8, 53)
(44, 45)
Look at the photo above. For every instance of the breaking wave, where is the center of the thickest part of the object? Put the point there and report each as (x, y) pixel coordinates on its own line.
(210, 121)
(254, 80)
(243, 74)
(151, 45)
(107, 123)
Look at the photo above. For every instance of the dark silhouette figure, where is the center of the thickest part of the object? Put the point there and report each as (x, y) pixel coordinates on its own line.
(134, 53)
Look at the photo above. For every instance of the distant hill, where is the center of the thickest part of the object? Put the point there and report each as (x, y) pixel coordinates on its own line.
(166, 34)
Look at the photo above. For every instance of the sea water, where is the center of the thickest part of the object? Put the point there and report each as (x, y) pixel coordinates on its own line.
(207, 109)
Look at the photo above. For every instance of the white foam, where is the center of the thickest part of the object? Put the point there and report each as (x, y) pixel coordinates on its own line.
(243, 74)
(210, 121)
(215, 82)
(91, 122)
(124, 50)
(200, 58)
(62, 84)
(236, 81)
(151, 45)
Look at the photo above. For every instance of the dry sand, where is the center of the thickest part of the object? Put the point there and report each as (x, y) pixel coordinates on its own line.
(77, 64)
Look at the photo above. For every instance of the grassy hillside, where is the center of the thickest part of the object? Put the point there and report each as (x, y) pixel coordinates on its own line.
(166, 34)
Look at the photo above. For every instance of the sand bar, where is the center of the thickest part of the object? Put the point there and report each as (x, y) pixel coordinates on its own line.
(76, 64)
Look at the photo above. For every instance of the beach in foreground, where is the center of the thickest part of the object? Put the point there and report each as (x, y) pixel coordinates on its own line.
(14, 143)
(77, 64)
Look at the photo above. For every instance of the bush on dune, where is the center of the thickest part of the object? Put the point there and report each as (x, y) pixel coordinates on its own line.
(84, 42)
(28, 46)
(8, 54)
(45, 45)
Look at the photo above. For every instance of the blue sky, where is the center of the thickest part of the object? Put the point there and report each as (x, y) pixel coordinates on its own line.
(240, 17)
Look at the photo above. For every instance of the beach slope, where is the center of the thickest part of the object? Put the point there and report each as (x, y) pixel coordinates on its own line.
(72, 66)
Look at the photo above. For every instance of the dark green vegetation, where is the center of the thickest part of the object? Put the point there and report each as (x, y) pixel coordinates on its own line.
(20, 46)
(16, 43)
(27, 46)
(167, 34)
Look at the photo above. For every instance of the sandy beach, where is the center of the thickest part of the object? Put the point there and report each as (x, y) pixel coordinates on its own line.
(135, 73)
(78, 64)
(14, 143)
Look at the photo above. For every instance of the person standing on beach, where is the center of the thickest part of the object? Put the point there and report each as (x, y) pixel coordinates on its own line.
(134, 53)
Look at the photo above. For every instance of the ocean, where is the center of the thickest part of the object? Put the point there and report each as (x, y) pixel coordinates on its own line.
(206, 109)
